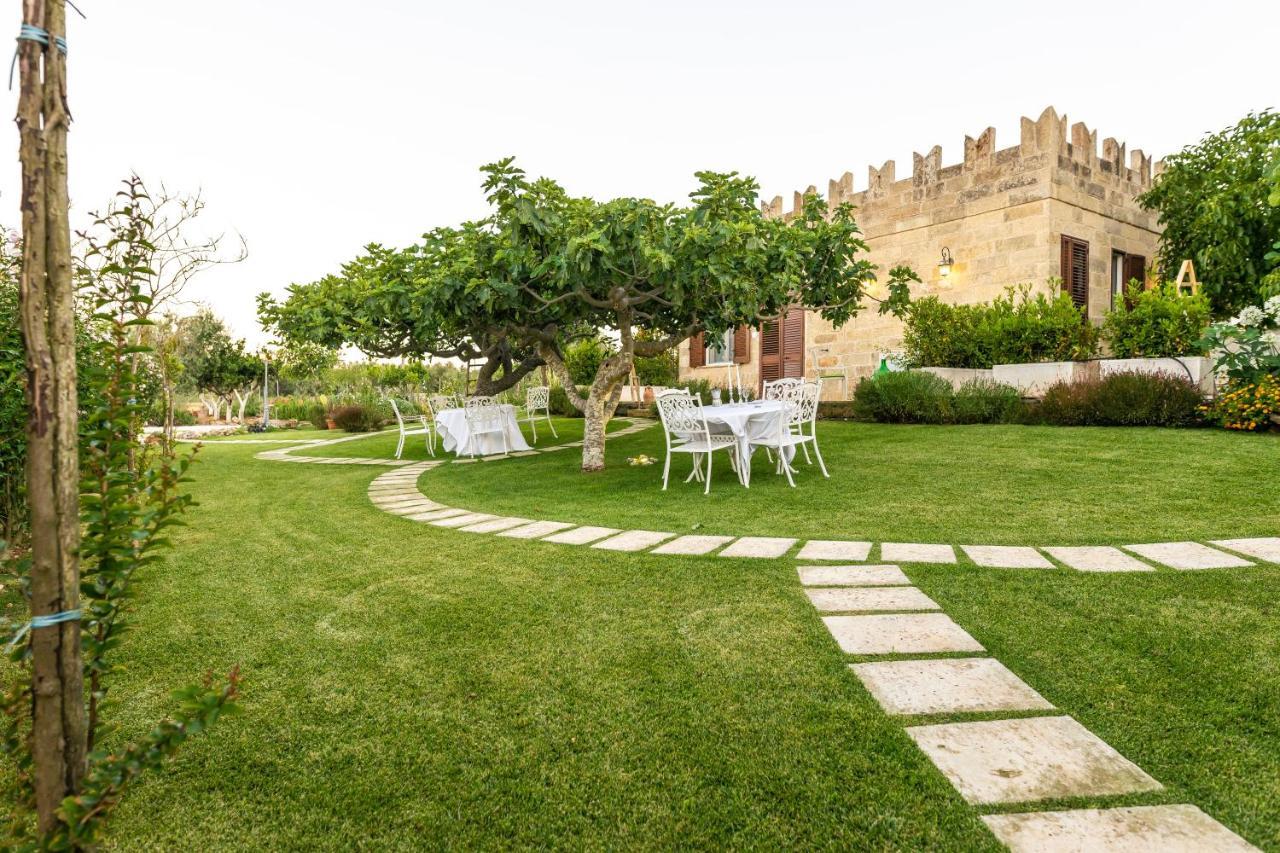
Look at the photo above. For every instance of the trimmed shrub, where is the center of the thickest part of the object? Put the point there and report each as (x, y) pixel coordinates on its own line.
(906, 397)
(1016, 328)
(318, 415)
(1121, 399)
(981, 401)
(1156, 323)
(356, 418)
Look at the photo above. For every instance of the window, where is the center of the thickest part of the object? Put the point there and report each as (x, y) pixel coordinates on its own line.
(1124, 269)
(720, 349)
(1075, 270)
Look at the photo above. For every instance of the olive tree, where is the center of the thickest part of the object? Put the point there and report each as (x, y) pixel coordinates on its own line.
(630, 264)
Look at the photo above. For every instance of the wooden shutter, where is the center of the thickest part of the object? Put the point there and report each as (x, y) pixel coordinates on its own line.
(742, 345)
(1135, 267)
(793, 344)
(1075, 270)
(770, 352)
(697, 351)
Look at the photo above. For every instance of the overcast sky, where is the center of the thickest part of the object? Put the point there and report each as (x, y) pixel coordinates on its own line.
(317, 127)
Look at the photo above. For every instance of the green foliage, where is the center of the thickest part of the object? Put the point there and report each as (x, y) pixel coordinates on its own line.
(982, 401)
(211, 360)
(1212, 199)
(583, 358)
(1016, 328)
(1121, 399)
(903, 397)
(1244, 347)
(560, 405)
(1156, 323)
(13, 405)
(129, 500)
(302, 364)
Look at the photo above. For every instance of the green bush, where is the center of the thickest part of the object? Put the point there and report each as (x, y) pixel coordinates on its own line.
(583, 358)
(661, 370)
(1121, 399)
(356, 418)
(182, 417)
(981, 401)
(318, 414)
(560, 405)
(905, 397)
(1156, 323)
(1016, 328)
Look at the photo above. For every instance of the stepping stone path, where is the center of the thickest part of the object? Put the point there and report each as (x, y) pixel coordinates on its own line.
(990, 762)
(994, 762)
(1136, 829)
(1188, 555)
(1005, 557)
(1098, 559)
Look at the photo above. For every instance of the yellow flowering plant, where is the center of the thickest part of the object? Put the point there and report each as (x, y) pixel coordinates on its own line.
(1245, 405)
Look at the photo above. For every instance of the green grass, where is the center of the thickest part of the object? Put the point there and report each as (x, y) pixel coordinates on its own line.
(958, 484)
(409, 687)
(291, 434)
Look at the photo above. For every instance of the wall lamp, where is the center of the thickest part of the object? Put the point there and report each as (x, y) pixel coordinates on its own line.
(944, 265)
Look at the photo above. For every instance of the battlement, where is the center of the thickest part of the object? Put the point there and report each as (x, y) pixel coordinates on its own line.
(1044, 145)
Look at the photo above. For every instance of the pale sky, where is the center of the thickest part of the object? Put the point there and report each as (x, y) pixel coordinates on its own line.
(316, 127)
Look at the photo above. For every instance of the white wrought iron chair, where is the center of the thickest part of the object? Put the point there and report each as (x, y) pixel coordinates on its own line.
(803, 402)
(777, 389)
(485, 417)
(538, 399)
(407, 430)
(685, 427)
(822, 373)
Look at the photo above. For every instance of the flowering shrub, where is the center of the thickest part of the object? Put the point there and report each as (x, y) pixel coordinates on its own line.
(1246, 352)
(1120, 399)
(1247, 405)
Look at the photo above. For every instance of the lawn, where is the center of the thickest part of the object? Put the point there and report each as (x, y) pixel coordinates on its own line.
(963, 485)
(383, 444)
(408, 686)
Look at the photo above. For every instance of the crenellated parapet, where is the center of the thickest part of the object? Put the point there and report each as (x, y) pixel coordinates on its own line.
(1049, 143)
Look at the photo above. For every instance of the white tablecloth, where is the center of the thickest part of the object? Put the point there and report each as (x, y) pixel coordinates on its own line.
(454, 435)
(761, 419)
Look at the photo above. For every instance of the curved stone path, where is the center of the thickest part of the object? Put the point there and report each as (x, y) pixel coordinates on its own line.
(916, 662)
(401, 496)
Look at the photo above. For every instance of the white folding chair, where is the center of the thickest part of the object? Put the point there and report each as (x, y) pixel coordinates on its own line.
(538, 399)
(819, 354)
(685, 426)
(485, 417)
(802, 404)
(406, 430)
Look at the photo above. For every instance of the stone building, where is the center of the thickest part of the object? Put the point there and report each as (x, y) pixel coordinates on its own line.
(1051, 211)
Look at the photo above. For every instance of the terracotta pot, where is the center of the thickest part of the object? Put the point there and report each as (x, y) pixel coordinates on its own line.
(330, 423)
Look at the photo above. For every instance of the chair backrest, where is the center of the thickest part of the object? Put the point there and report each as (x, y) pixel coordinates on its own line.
(682, 414)
(778, 389)
(804, 402)
(439, 402)
(482, 411)
(538, 397)
(396, 410)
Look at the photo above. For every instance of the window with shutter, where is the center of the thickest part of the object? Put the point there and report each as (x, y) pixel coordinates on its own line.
(1135, 268)
(697, 351)
(793, 344)
(770, 352)
(742, 345)
(1075, 270)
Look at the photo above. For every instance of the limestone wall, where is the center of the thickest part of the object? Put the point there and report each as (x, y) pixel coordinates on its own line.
(1001, 212)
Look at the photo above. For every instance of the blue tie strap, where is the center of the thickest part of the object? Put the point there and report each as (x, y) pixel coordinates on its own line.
(46, 621)
(31, 32)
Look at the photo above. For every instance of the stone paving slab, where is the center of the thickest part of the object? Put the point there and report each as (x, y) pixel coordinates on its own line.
(763, 547)
(1266, 548)
(1034, 758)
(581, 535)
(447, 512)
(1098, 559)
(692, 545)
(462, 520)
(536, 529)
(1188, 555)
(852, 598)
(951, 686)
(830, 549)
(916, 552)
(494, 525)
(1006, 557)
(852, 576)
(414, 508)
(1133, 829)
(902, 633)
(633, 540)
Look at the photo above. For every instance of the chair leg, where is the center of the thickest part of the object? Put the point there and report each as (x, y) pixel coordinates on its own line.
(400, 445)
(551, 426)
(805, 448)
(533, 425)
(710, 456)
(786, 467)
(666, 471)
(431, 440)
(696, 473)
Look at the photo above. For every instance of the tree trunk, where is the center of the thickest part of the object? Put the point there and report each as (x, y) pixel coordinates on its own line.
(48, 326)
(601, 400)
